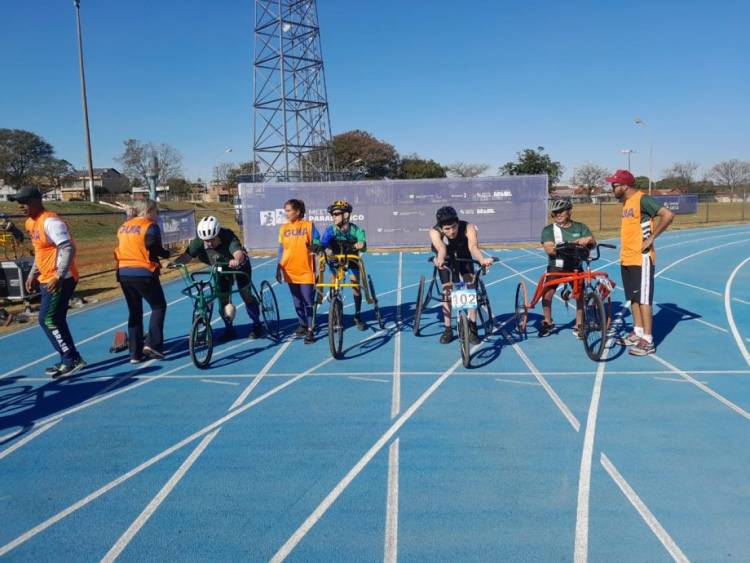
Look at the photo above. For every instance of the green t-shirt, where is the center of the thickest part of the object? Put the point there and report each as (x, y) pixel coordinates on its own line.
(222, 253)
(572, 233)
(650, 207)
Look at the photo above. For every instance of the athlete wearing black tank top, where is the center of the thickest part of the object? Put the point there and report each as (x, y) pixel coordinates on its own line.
(454, 239)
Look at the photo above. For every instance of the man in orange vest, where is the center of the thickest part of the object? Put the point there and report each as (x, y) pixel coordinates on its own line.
(55, 271)
(637, 256)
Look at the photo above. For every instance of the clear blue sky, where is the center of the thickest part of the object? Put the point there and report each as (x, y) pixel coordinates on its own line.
(472, 81)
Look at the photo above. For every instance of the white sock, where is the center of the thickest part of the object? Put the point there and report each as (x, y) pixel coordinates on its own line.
(638, 331)
(648, 338)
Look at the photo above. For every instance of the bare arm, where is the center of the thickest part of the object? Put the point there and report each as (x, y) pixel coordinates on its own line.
(442, 250)
(666, 217)
(549, 247)
(476, 253)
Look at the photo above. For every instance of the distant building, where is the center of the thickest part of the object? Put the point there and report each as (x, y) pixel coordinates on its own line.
(106, 180)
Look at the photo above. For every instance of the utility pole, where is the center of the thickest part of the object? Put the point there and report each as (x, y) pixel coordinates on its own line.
(92, 195)
(628, 152)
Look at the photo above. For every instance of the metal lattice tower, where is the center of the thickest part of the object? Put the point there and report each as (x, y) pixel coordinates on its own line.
(291, 125)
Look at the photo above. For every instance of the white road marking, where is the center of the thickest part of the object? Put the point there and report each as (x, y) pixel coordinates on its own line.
(391, 505)
(677, 380)
(648, 517)
(730, 315)
(534, 383)
(219, 382)
(28, 438)
(369, 379)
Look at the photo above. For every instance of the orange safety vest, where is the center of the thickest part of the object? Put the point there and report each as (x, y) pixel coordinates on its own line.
(296, 261)
(633, 231)
(45, 251)
(131, 251)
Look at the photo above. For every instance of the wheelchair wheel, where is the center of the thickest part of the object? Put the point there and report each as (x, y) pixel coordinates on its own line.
(420, 304)
(594, 326)
(484, 310)
(336, 327)
(375, 305)
(522, 312)
(201, 342)
(269, 308)
(464, 333)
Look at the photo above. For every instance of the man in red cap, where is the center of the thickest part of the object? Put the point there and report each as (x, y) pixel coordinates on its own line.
(637, 256)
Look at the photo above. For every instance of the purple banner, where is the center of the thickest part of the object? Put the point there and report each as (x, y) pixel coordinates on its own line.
(177, 226)
(401, 212)
(680, 204)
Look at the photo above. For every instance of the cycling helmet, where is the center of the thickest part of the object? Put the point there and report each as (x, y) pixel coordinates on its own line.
(446, 216)
(208, 228)
(561, 205)
(340, 205)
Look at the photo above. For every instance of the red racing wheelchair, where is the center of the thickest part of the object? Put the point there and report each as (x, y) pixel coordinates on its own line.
(594, 288)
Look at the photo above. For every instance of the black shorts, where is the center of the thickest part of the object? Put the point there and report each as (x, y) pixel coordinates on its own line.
(453, 273)
(638, 282)
(226, 282)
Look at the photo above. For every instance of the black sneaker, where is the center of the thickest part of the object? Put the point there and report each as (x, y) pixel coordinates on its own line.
(52, 371)
(447, 336)
(228, 334)
(359, 324)
(301, 330)
(546, 329)
(152, 353)
(309, 337)
(256, 332)
(473, 336)
(67, 371)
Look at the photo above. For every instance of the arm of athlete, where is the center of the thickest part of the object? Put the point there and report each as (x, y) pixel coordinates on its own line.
(442, 250)
(476, 253)
(666, 216)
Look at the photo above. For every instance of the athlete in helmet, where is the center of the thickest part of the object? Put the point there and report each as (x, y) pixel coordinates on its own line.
(345, 237)
(563, 230)
(454, 239)
(217, 244)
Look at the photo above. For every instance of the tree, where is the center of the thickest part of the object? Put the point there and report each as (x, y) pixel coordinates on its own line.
(179, 187)
(222, 171)
(641, 182)
(684, 172)
(23, 155)
(379, 158)
(136, 161)
(56, 171)
(532, 161)
(467, 169)
(731, 173)
(590, 176)
(413, 167)
(244, 169)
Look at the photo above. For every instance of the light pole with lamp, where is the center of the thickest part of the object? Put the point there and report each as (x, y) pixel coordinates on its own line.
(77, 4)
(639, 121)
(628, 152)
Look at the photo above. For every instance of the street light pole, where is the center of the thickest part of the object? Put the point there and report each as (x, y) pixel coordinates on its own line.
(639, 121)
(77, 4)
(628, 152)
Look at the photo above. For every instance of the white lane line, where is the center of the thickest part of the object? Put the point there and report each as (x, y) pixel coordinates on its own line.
(730, 315)
(677, 380)
(516, 274)
(581, 549)
(694, 254)
(261, 374)
(26, 439)
(391, 511)
(158, 457)
(527, 278)
(534, 383)
(648, 517)
(703, 289)
(328, 501)
(701, 321)
(84, 341)
(543, 382)
(144, 516)
(219, 382)
(396, 391)
(369, 379)
(739, 410)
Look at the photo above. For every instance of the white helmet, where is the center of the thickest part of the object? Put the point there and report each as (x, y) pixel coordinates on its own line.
(208, 228)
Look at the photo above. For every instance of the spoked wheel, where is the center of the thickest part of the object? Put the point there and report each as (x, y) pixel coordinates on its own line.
(375, 305)
(594, 326)
(522, 312)
(464, 333)
(419, 305)
(484, 310)
(201, 341)
(336, 327)
(269, 308)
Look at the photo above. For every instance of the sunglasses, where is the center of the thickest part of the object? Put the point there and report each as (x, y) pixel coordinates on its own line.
(560, 212)
(337, 213)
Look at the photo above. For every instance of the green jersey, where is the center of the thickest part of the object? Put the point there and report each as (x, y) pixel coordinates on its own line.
(222, 253)
(571, 233)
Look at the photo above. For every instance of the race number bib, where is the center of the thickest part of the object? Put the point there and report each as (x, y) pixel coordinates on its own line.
(463, 299)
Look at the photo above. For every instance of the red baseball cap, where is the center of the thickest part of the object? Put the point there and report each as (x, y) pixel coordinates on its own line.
(622, 177)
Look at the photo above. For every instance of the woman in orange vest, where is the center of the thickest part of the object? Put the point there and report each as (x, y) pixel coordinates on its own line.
(298, 241)
(138, 251)
(55, 271)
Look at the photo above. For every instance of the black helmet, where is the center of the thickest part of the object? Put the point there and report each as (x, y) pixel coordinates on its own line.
(446, 216)
(341, 205)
